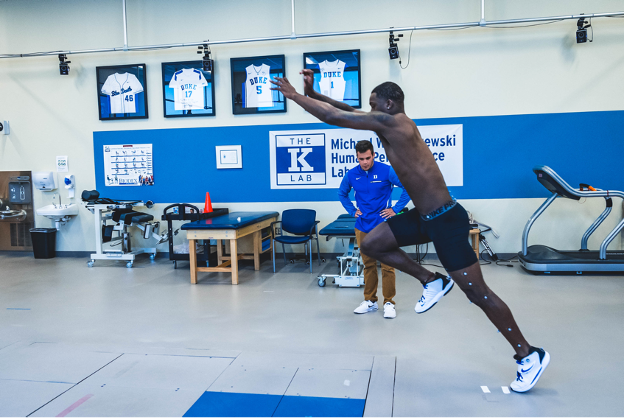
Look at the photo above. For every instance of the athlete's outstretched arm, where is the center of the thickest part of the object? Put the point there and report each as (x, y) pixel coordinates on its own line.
(366, 121)
(308, 90)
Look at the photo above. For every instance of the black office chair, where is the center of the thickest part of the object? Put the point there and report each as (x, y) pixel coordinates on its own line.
(302, 224)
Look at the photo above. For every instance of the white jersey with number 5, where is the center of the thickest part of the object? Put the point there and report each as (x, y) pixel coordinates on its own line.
(122, 88)
(188, 89)
(332, 79)
(257, 87)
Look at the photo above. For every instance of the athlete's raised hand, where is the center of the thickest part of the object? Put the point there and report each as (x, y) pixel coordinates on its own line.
(308, 82)
(283, 85)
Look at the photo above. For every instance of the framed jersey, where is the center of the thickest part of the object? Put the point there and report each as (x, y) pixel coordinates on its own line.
(251, 88)
(336, 75)
(122, 92)
(188, 90)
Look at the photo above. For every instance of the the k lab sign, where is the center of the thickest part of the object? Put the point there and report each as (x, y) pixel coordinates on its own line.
(300, 160)
(319, 159)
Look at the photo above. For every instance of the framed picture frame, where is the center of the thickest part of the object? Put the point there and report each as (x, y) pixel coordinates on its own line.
(251, 89)
(122, 92)
(188, 90)
(337, 75)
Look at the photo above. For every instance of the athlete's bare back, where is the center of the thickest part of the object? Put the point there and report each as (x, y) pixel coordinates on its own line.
(414, 164)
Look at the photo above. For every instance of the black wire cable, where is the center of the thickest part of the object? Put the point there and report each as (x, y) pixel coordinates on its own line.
(409, 52)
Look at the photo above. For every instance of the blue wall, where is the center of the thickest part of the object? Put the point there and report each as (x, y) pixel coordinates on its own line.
(499, 153)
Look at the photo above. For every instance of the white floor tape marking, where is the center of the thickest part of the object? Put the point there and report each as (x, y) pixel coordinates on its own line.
(505, 390)
(347, 383)
(485, 389)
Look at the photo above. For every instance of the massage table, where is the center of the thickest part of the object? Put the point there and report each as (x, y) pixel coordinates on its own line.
(232, 227)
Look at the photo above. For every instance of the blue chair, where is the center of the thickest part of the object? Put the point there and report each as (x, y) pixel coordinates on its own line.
(302, 224)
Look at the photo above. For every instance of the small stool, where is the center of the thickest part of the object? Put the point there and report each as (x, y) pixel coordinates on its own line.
(474, 236)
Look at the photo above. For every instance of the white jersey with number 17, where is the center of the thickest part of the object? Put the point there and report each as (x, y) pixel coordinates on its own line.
(188, 89)
(257, 87)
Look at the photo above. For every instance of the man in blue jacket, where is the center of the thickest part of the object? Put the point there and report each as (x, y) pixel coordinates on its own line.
(373, 183)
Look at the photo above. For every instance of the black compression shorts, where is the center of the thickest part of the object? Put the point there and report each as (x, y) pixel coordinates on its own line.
(447, 230)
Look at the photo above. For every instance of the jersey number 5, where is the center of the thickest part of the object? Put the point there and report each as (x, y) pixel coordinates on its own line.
(259, 89)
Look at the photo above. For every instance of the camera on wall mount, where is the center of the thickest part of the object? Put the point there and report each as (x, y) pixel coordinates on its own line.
(581, 31)
(393, 50)
(207, 62)
(63, 65)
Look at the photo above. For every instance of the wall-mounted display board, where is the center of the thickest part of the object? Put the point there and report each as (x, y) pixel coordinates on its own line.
(122, 92)
(336, 75)
(188, 90)
(251, 88)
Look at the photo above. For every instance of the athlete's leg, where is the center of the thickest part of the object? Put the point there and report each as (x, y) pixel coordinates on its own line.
(381, 245)
(470, 280)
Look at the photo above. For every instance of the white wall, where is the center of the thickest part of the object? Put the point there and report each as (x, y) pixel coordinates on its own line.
(471, 72)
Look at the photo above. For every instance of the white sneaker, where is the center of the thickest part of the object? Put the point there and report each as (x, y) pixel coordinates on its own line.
(389, 311)
(365, 307)
(530, 369)
(434, 290)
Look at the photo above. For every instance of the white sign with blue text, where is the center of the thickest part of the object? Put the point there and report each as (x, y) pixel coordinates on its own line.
(319, 159)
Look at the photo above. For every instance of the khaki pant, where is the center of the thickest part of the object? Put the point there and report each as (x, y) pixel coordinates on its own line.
(371, 279)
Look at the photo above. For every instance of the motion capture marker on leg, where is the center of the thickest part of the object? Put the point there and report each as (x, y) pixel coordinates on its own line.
(469, 284)
(485, 297)
(519, 345)
(508, 329)
(465, 274)
(498, 330)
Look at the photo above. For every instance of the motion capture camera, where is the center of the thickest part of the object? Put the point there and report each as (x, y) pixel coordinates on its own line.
(581, 32)
(394, 48)
(207, 62)
(63, 65)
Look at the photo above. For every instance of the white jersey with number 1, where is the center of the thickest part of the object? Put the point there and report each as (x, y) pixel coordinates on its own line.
(332, 79)
(257, 87)
(122, 88)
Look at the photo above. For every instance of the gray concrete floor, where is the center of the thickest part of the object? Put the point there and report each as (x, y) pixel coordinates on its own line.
(88, 317)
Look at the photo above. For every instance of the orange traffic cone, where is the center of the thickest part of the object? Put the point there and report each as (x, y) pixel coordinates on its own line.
(208, 204)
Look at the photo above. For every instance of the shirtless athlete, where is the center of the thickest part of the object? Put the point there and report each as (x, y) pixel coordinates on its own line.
(438, 218)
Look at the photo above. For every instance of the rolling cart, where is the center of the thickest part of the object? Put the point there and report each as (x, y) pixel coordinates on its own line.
(178, 212)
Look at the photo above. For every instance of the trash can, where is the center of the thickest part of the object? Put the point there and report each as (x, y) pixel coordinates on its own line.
(43, 242)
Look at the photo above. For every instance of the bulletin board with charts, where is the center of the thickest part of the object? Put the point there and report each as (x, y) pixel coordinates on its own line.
(188, 90)
(122, 92)
(336, 75)
(128, 165)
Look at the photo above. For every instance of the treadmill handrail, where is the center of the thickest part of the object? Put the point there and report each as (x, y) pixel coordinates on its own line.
(572, 191)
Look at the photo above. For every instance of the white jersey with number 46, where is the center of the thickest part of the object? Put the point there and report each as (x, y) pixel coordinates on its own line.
(332, 79)
(257, 87)
(122, 88)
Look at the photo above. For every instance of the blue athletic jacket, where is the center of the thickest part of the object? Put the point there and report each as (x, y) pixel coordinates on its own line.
(373, 193)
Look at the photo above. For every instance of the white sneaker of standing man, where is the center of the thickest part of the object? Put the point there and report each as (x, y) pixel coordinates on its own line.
(389, 310)
(366, 307)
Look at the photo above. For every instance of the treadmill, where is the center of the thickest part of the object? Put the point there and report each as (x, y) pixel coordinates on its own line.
(540, 259)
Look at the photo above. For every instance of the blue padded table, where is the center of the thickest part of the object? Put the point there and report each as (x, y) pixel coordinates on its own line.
(343, 227)
(230, 227)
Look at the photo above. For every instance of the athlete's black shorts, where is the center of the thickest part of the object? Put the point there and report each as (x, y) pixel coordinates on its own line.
(448, 231)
